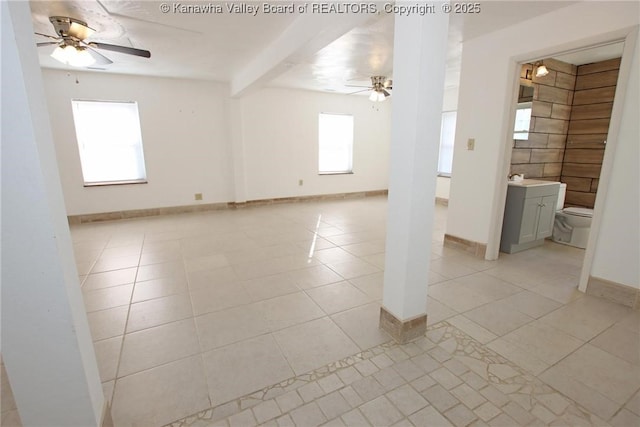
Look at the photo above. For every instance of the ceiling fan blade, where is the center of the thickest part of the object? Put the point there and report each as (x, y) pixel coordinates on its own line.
(359, 91)
(368, 87)
(100, 58)
(48, 36)
(121, 49)
(388, 84)
(45, 44)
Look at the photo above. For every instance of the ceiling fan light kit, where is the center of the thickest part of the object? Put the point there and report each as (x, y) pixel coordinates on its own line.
(74, 56)
(378, 95)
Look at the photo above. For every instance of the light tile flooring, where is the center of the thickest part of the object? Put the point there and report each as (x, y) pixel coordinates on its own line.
(269, 315)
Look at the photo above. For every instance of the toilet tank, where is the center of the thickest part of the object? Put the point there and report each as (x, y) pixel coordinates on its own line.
(561, 193)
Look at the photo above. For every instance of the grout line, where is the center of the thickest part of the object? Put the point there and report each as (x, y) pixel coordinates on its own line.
(124, 332)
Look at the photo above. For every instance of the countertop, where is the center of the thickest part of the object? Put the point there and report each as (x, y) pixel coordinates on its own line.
(532, 183)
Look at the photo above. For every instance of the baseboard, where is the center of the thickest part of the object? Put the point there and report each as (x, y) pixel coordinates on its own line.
(476, 249)
(615, 292)
(312, 198)
(139, 213)
(402, 331)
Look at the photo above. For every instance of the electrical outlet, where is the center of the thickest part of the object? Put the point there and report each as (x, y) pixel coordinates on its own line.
(198, 196)
(300, 182)
(471, 144)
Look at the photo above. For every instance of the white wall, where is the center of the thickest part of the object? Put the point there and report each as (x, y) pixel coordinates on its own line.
(443, 187)
(487, 88)
(184, 132)
(450, 101)
(280, 133)
(617, 248)
(192, 132)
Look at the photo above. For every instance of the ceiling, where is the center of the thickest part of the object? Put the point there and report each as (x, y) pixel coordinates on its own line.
(323, 52)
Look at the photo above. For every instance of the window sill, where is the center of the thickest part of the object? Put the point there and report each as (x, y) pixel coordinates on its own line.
(110, 183)
(335, 173)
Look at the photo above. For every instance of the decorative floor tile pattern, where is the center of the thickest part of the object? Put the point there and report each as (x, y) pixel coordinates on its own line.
(444, 378)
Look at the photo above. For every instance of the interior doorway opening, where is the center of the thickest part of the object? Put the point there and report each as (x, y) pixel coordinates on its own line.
(560, 130)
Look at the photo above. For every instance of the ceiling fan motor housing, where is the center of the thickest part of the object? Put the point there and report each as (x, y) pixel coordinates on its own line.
(380, 82)
(70, 27)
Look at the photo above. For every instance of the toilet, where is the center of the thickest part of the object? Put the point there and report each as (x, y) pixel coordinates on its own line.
(572, 225)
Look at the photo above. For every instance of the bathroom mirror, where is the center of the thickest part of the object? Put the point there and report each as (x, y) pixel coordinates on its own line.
(525, 93)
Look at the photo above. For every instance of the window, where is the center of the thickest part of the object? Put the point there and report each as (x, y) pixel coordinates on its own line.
(523, 118)
(447, 137)
(109, 142)
(335, 142)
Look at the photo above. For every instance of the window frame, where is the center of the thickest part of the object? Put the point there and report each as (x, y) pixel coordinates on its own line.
(522, 135)
(351, 146)
(138, 146)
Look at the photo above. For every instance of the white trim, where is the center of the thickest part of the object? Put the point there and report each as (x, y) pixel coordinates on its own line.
(624, 75)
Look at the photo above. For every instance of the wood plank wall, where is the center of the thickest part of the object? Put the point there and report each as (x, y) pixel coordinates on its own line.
(590, 115)
(571, 110)
(542, 154)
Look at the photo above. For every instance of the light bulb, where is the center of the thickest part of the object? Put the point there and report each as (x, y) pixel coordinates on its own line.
(377, 96)
(61, 53)
(81, 58)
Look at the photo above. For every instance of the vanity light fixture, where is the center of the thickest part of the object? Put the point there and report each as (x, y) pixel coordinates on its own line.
(541, 69)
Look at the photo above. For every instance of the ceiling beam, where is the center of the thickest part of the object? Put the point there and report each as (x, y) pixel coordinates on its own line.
(307, 34)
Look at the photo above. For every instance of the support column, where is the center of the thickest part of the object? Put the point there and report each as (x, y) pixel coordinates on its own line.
(420, 54)
(46, 343)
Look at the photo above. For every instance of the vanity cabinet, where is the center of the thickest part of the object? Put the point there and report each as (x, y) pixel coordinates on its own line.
(528, 215)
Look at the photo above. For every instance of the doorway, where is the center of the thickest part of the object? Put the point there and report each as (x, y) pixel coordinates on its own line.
(562, 116)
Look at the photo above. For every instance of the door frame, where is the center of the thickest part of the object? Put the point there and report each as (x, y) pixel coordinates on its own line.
(629, 37)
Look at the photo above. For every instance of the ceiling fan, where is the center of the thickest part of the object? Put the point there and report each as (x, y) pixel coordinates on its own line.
(380, 87)
(74, 50)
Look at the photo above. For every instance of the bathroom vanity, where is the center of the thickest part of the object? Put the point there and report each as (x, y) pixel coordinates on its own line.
(528, 215)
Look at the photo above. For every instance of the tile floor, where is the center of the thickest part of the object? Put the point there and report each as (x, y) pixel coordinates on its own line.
(268, 315)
